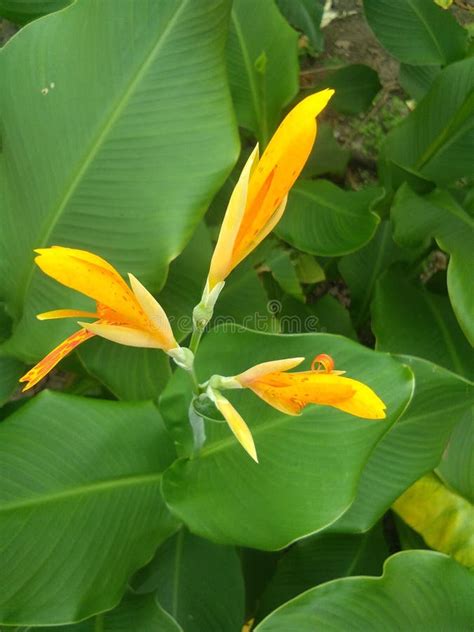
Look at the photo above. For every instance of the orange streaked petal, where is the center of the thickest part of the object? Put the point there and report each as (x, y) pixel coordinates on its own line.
(155, 313)
(44, 366)
(93, 277)
(291, 392)
(236, 424)
(264, 368)
(221, 263)
(84, 255)
(123, 335)
(65, 313)
(281, 164)
(364, 403)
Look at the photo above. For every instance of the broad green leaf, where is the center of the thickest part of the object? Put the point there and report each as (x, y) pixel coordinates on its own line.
(262, 61)
(284, 272)
(140, 613)
(457, 465)
(437, 139)
(123, 155)
(418, 591)
(81, 484)
(305, 15)
(361, 269)
(323, 219)
(440, 216)
(443, 518)
(413, 446)
(198, 583)
(308, 269)
(327, 155)
(416, 31)
(417, 80)
(10, 372)
(356, 87)
(297, 488)
(326, 315)
(408, 318)
(22, 11)
(185, 282)
(128, 372)
(243, 299)
(321, 558)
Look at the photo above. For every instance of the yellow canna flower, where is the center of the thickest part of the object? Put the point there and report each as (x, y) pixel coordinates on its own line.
(291, 392)
(128, 316)
(259, 197)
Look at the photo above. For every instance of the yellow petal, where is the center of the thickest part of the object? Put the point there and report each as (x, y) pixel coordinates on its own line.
(124, 335)
(44, 366)
(278, 168)
(259, 370)
(222, 257)
(93, 277)
(236, 424)
(65, 313)
(291, 392)
(363, 403)
(155, 313)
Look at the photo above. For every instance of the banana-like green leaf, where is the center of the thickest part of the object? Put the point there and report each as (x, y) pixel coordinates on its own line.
(262, 60)
(440, 216)
(115, 135)
(457, 465)
(416, 31)
(413, 446)
(22, 11)
(296, 488)
(140, 613)
(443, 518)
(10, 372)
(320, 559)
(408, 318)
(356, 86)
(80, 484)
(200, 584)
(361, 269)
(128, 372)
(417, 80)
(418, 591)
(436, 140)
(322, 219)
(305, 15)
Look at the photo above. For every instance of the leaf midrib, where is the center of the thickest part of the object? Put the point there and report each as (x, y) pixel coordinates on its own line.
(427, 28)
(52, 219)
(81, 490)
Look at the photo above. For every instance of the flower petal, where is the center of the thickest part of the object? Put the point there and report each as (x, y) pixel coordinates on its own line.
(92, 276)
(44, 366)
(260, 370)
(155, 313)
(124, 335)
(65, 313)
(236, 424)
(291, 392)
(221, 263)
(277, 170)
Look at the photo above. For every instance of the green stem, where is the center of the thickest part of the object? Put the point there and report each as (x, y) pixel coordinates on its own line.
(195, 381)
(195, 340)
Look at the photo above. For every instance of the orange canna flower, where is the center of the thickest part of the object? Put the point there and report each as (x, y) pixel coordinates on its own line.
(291, 392)
(259, 197)
(128, 316)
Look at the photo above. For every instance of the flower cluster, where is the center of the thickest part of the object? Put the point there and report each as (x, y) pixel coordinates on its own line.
(130, 315)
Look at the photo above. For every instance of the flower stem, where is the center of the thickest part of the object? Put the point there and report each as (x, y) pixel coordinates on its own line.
(195, 340)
